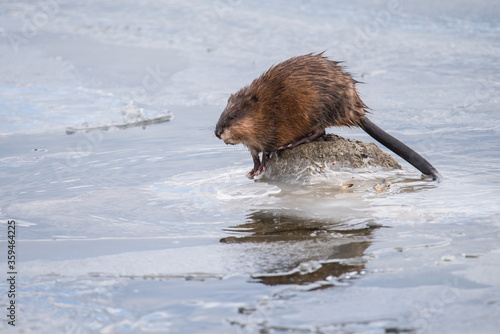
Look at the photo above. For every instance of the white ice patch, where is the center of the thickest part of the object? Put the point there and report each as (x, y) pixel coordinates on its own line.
(221, 188)
(204, 261)
(132, 116)
(248, 192)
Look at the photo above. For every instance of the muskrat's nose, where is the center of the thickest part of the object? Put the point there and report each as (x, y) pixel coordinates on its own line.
(218, 133)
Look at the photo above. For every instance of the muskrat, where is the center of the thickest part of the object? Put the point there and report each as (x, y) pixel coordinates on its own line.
(293, 103)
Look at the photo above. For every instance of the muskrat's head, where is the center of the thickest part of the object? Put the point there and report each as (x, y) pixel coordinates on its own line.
(235, 122)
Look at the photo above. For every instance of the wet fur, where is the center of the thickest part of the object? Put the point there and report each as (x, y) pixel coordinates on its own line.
(301, 96)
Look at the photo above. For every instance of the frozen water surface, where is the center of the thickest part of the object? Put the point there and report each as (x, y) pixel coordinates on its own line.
(132, 217)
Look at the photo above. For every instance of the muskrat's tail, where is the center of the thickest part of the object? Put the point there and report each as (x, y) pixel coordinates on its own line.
(400, 149)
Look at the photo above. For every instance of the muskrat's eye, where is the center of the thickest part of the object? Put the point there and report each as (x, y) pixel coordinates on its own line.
(231, 117)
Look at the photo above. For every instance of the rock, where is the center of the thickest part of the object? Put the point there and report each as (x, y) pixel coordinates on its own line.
(329, 153)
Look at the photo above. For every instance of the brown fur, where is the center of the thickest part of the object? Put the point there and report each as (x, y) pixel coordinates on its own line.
(293, 103)
(293, 99)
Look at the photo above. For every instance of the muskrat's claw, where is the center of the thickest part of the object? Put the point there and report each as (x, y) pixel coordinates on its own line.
(251, 174)
(261, 170)
(256, 171)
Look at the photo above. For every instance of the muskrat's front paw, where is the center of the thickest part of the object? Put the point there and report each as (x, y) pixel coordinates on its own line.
(259, 171)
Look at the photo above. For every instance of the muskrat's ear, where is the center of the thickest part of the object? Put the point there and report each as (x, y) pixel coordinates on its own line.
(254, 98)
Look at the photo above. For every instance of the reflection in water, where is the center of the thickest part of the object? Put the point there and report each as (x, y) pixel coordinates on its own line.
(296, 250)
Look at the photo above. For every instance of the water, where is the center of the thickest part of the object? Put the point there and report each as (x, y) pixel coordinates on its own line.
(133, 217)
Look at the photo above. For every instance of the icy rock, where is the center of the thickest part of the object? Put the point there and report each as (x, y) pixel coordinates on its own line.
(329, 153)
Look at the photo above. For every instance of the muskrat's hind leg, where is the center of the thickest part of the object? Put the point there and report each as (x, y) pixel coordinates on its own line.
(307, 139)
(256, 164)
